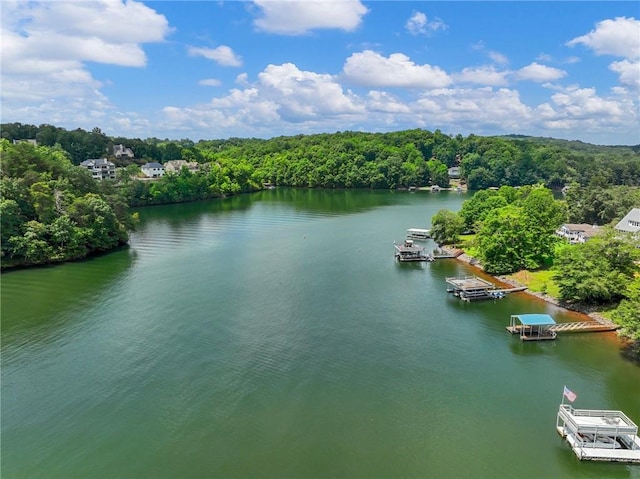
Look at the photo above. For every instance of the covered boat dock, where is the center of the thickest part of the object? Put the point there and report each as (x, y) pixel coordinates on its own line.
(599, 435)
(409, 251)
(532, 327)
(419, 234)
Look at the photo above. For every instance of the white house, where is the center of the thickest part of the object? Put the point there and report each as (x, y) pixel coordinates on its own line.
(153, 170)
(101, 169)
(630, 223)
(120, 150)
(577, 233)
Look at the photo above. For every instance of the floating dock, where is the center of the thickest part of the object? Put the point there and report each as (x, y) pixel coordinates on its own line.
(599, 435)
(473, 288)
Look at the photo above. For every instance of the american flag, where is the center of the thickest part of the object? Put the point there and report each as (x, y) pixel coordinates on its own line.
(570, 395)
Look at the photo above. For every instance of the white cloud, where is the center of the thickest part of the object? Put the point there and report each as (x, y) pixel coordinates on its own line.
(222, 55)
(299, 17)
(45, 46)
(584, 112)
(369, 68)
(539, 73)
(629, 72)
(618, 37)
(498, 58)
(482, 75)
(380, 101)
(282, 96)
(210, 82)
(418, 24)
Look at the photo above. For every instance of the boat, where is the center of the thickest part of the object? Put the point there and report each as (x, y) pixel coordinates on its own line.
(409, 251)
(599, 440)
(417, 233)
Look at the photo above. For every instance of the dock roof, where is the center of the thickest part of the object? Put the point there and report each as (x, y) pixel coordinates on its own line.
(534, 319)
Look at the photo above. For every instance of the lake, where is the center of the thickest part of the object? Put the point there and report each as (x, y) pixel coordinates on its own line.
(273, 335)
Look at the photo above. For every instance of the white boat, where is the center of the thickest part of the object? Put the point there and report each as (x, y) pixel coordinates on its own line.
(417, 233)
(600, 441)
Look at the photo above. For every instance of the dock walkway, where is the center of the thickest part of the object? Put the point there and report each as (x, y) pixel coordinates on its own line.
(583, 326)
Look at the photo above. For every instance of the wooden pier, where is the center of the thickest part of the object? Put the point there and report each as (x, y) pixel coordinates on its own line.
(583, 327)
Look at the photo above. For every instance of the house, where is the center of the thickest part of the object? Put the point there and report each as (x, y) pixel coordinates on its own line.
(101, 169)
(454, 172)
(577, 233)
(175, 166)
(153, 170)
(630, 223)
(31, 141)
(120, 151)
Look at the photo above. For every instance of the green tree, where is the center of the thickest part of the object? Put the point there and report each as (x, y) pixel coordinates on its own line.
(446, 227)
(627, 314)
(597, 271)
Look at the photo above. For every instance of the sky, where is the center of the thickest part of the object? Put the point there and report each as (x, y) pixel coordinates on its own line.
(268, 68)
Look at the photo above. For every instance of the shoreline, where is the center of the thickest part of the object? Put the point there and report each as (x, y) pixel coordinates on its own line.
(591, 313)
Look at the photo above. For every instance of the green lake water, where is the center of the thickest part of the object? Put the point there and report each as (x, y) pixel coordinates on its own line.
(274, 336)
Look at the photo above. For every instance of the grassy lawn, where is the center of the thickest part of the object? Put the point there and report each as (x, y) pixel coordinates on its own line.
(538, 281)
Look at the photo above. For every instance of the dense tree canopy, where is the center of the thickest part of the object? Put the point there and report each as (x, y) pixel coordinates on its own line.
(370, 160)
(597, 271)
(54, 211)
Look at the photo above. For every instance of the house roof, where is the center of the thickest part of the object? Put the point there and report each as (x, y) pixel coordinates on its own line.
(96, 161)
(535, 319)
(588, 230)
(625, 223)
(153, 164)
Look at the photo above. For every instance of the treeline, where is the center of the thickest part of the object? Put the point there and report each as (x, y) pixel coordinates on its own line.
(371, 160)
(52, 211)
(213, 180)
(515, 230)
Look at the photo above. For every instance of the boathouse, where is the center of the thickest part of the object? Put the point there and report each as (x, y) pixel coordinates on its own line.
(599, 435)
(471, 288)
(409, 251)
(532, 327)
(419, 234)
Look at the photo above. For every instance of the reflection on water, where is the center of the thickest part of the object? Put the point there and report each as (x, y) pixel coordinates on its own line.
(275, 335)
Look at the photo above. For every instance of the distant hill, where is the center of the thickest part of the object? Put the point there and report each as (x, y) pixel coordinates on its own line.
(575, 145)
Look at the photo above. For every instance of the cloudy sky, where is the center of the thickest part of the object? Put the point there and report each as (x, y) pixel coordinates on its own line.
(208, 69)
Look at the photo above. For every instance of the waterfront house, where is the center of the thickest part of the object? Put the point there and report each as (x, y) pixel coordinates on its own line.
(120, 151)
(31, 141)
(454, 172)
(630, 223)
(153, 170)
(577, 233)
(101, 169)
(175, 166)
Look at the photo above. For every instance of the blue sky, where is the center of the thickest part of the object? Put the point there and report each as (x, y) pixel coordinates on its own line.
(209, 70)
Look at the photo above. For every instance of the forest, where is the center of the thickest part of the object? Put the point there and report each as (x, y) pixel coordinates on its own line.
(514, 230)
(52, 210)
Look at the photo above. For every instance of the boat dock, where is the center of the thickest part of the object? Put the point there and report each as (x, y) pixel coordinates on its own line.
(473, 288)
(599, 435)
(419, 234)
(532, 327)
(409, 251)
